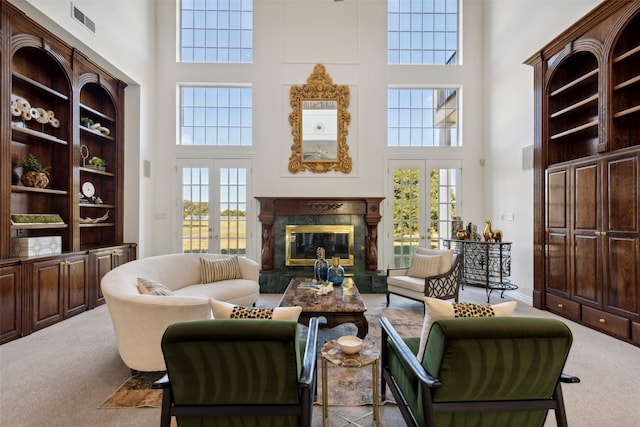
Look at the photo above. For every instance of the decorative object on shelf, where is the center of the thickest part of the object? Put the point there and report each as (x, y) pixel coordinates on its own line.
(456, 224)
(95, 127)
(491, 235)
(33, 173)
(461, 234)
(20, 107)
(36, 246)
(89, 220)
(335, 273)
(17, 219)
(320, 266)
(319, 122)
(472, 232)
(97, 163)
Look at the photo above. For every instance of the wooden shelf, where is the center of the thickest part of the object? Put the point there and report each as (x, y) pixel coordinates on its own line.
(575, 106)
(96, 205)
(24, 189)
(40, 135)
(583, 78)
(96, 225)
(96, 133)
(627, 112)
(40, 86)
(574, 130)
(626, 83)
(626, 54)
(96, 171)
(37, 226)
(96, 113)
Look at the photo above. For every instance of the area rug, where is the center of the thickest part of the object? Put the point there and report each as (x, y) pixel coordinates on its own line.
(136, 392)
(347, 386)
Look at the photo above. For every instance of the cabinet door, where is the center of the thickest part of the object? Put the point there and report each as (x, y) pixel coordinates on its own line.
(104, 261)
(47, 282)
(10, 303)
(586, 262)
(557, 233)
(621, 236)
(76, 274)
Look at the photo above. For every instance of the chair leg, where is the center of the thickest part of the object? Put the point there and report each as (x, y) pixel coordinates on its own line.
(388, 299)
(165, 414)
(561, 415)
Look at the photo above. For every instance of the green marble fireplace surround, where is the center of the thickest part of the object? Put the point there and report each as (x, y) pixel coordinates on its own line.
(276, 213)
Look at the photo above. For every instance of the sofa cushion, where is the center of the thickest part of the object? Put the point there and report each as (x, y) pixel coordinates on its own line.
(225, 310)
(215, 270)
(424, 265)
(436, 309)
(446, 260)
(152, 287)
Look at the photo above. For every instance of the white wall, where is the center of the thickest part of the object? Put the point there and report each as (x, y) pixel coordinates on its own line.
(349, 38)
(515, 30)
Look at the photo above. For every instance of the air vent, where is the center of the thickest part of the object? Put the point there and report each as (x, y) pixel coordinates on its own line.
(83, 19)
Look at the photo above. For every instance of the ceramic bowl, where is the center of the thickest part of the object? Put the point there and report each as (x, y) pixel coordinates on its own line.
(350, 344)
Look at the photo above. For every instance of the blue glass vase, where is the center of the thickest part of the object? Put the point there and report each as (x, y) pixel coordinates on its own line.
(321, 266)
(335, 274)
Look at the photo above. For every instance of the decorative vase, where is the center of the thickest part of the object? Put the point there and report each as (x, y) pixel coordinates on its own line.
(35, 179)
(335, 274)
(321, 265)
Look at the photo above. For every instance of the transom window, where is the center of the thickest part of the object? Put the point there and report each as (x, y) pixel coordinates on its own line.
(216, 31)
(422, 32)
(216, 116)
(422, 117)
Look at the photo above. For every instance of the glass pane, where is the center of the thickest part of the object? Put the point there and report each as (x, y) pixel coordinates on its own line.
(406, 215)
(233, 211)
(195, 210)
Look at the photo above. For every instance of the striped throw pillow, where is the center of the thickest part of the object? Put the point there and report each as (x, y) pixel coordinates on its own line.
(214, 270)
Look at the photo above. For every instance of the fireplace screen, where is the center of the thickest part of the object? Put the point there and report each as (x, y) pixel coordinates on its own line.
(302, 242)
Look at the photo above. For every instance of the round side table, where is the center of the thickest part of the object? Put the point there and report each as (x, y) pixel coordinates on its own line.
(368, 355)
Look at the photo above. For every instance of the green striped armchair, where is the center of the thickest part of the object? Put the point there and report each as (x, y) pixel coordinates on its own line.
(238, 372)
(495, 371)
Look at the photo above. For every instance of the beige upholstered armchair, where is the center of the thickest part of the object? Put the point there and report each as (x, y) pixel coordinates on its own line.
(432, 273)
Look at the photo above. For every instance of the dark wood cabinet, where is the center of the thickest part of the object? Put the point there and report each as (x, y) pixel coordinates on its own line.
(58, 288)
(10, 301)
(105, 260)
(587, 171)
(60, 106)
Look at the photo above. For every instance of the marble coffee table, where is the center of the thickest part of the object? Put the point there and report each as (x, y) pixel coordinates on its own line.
(343, 305)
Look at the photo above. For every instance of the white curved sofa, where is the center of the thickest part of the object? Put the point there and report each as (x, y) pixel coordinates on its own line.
(139, 320)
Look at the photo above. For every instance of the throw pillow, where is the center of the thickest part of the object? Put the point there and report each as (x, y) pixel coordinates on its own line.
(151, 287)
(437, 309)
(446, 255)
(225, 310)
(214, 270)
(424, 265)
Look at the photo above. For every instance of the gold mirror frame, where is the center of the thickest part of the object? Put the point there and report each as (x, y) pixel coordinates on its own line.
(321, 92)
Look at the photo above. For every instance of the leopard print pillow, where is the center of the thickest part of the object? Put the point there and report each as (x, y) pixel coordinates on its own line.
(225, 310)
(251, 313)
(437, 309)
(463, 309)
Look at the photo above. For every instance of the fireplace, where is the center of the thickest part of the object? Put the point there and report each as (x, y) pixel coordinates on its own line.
(363, 213)
(302, 243)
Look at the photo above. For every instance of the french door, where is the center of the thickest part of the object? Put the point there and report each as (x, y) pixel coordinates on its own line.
(216, 206)
(422, 196)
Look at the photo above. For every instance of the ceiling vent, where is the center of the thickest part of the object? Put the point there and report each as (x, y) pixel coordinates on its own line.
(83, 19)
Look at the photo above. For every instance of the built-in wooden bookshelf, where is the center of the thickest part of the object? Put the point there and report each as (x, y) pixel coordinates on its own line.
(49, 93)
(587, 172)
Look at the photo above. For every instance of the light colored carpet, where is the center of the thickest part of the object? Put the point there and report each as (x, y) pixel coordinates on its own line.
(60, 376)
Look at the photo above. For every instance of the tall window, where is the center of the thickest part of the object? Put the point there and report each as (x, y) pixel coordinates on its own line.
(216, 31)
(422, 32)
(216, 116)
(422, 117)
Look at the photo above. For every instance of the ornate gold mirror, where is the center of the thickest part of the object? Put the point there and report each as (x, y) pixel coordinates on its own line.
(319, 124)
